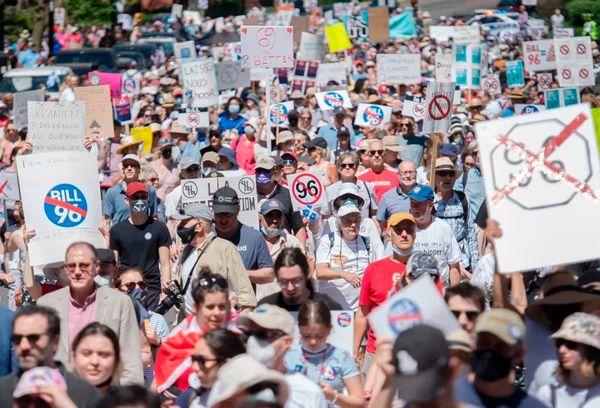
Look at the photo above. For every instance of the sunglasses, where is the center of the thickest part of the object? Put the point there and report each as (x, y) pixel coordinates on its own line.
(209, 283)
(348, 165)
(288, 162)
(132, 165)
(84, 266)
(131, 285)
(445, 173)
(201, 360)
(471, 315)
(374, 152)
(571, 345)
(31, 338)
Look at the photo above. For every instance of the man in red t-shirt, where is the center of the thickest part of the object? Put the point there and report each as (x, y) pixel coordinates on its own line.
(382, 178)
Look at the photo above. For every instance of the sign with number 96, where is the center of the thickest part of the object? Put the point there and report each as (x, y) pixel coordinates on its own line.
(306, 189)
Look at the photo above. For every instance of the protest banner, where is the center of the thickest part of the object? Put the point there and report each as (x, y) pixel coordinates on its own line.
(311, 47)
(123, 110)
(556, 98)
(184, 50)
(56, 126)
(63, 206)
(332, 71)
(193, 118)
(372, 115)
(398, 68)
(306, 189)
(9, 186)
(337, 38)
(300, 25)
(418, 303)
(278, 113)
(514, 74)
(98, 110)
(379, 24)
(539, 55)
(544, 81)
(199, 82)
(443, 68)
(414, 107)
(202, 191)
(574, 63)
(438, 107)
(491, 84)
(525, 109)
(564, 32)
(20, 100)
(467, 66)
(357, 27)
(130, 84)
(467, 34)
(114, 81)
(524, 192)
(231, 75)
(144, 134)
(332, 99)
(268, 46)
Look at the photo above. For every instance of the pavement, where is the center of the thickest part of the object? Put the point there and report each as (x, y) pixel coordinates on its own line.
(439, 8)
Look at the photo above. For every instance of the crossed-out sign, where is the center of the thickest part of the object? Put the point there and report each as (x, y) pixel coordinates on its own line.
(333, 99)
(373, 115)
(65, 206)
(439, 107)
(307, 190)
(278, 114)
(490, 84)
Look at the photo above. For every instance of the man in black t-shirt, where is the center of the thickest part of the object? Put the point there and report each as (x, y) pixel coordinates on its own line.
(143, 242)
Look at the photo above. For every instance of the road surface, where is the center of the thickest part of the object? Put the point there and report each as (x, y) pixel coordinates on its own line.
(439, 8)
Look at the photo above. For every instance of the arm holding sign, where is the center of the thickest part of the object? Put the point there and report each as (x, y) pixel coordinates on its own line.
(18, 240)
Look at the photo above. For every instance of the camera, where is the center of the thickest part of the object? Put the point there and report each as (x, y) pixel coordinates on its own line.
(174, 298)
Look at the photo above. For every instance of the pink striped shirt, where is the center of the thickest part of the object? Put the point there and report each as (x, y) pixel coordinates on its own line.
(80, 315)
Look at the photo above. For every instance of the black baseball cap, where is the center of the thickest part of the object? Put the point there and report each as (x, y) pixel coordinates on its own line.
(317, 142)
(225, 200)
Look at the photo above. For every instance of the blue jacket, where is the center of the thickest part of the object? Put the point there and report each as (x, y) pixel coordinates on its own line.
(8, 363)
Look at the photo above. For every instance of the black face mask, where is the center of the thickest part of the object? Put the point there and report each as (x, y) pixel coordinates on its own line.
(166, 154)
(186, 234)
(488, 365)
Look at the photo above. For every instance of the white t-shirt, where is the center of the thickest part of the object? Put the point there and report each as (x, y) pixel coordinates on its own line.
(438, 240)
(483, 276)
(567, 396)
(304, 393)
(171, 201)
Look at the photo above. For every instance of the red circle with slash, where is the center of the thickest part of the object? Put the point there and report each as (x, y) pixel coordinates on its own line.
(566, 74)
(584, 73)
(580, 49)
(436, 108)
(564, 49)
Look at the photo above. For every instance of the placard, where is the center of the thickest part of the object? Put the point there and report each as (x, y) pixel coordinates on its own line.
(332, 71)
(231, 75)
(130, 84)
(311, 47)
(379, 24)
(539, 55)
(306, 189)
(526, 109)
(202, 191)
(9, 186)
(556, 98)
(514, 74)
(332, 99)
(63, 206)
(466, 34)
(193, 118)
(524, 192)
(199, 82)
(143, 134)
(443, 68)
(184, 50)
(372, 115)
(267, 46)
(468, 65)
(114, 81)
(300, 24)
(56, 126)
(98, 110)
(491, 85)
(414, 107)
(544, 81)
(564, 32)
(438, 107)
(337, 38)
(278, 113)
(574, 61)
(20, 100)
(122, 110)
(399, 68)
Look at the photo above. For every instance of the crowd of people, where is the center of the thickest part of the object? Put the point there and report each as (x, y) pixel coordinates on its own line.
(187, 306)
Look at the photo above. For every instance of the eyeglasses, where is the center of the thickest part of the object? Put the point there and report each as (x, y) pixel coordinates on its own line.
(407, 172)
(296, 282)
(398, 229)
(201, 360)
(131, 285)
(72, 266)
(288, 162)
(445, 173)
(31, 338)
(471, 314)
(374, 152)
(571, 345)
(348, 165)
(209, 283)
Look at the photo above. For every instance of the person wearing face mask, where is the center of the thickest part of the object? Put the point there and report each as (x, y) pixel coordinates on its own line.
(326, 365)
(271, 330)
(143, 242)
(499, 346)
(231, 118)
(246, 146)
(202, 248)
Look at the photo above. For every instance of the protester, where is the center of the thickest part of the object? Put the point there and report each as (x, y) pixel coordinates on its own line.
(382, 178)
(396, 200)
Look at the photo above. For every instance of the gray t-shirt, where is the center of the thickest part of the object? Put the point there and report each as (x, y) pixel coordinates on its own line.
(252, 248)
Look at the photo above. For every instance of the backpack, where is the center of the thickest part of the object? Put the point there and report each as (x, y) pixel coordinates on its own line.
(465, 215)
(365, 240)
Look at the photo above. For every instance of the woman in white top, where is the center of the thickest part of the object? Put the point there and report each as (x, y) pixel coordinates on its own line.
(318, 151)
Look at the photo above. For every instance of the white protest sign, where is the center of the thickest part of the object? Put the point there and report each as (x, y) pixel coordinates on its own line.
(332, 99)
(574, 61)
(306, 189)
(524, 192)
(231, 75)
(372, 115)
(468, 65)
(460, 34)
(200, 82)
(63, 206)
(564, 32)
(556, 98)
(267, 46)
(525, 109)
(60, 15)
(443, 68)
(56, 126)
(438, 107)
(9, 186)
(202, 191)
(414, 107)
(398, 68)
(184, 50)
(20, 100)
(311, 47)
(333, 71)
(418, 303)
(539, 55)
(491, 85)
(544, 81)
(130, 84)
(278, 113)
(193, 118)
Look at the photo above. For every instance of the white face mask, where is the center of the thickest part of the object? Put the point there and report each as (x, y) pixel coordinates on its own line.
(261, 350)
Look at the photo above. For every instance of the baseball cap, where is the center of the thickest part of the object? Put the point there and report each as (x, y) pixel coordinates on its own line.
(449, 149)
(421, 192)
(136, 187)
(188, 162)
(229, 154)
(398, 217)
(420, 356)
(210, 157)
(583, 328)
(37, 377)
(132, 157)
(347, 208)
(265, 162)
(459, 340)
(284, 136)
(317, 142)
(422, 263)
(391, 143)
(164, 142)
(196, 210)
(269, 317)
(271, 205)
(339, 110)
(225, 200)
(105, 255)
(502, 323)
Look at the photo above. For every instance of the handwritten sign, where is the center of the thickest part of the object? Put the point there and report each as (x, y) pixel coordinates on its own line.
(199, 81)
(20, 106)
(56, 126)
(333, 71)
(268, 46)
(379, 24)
(398, 68)
(539, 55)
(98, 110)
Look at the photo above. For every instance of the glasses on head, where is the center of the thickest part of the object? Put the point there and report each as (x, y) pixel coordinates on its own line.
(31, 338)
(296, 282)
(445, 173)
(288, 162)
(83, 266)
(129, 286)
(375, 152)
(348, 165)
(471, 314)
(209, 283)
(201, 360)
(571, 345)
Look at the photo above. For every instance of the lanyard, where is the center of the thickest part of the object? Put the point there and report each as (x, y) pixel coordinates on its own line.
(305, 362)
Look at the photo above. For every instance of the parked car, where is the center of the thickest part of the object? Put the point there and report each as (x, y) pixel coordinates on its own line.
(148, 50)
(85, 60)
(29, 79)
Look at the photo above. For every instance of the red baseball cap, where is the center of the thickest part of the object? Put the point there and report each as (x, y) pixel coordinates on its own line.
(136, 187)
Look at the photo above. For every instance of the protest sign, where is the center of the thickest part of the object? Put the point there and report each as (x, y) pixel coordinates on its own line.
(337, 38)
(98, 110)
(333, 71)
(468, 64)
(539, 55)
(379, 24)
(123, 110)
(193, 118)
(60, 15)
(524, 192)
(300, 24)
(9, 186)
(525, 109)
(177, 10)
(306, 189)
(332, 99)
(514, 74)
(268, 46)
(357, 27)
(56, 126)
(231, 75)
(114, 82)
(199, 82)
(311, 47)
(414, 107)
(130, 84)
(144, 134)
(418, 303)
(544, 81)
(278, 113)
(342, 330)
(556, 98)
(399, 68)
(372, 115)
(443, 68)
(564, 32)
(63, 206)
(574, 62)
(184, 50)
(459, 34)
(491, 84)
(202, 191)
(438, 107)
(20, 100)
(126, 21)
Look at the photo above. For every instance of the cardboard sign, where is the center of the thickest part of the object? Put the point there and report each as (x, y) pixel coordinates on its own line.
(514, 74)
(398, 68)
(144, 134)
(268, 46)
(418, 303)
(525, 109)
(193, 118)
(9, 186)
(63, 206)
(539, 55)
(231, 75)
(468, 65)
(438, 107)
(56, 126)
(202, 191)
(443, 68)
(20, 100)
(468, 34)
(199, 82)
(379, 24)
(414, 107)
(556, 98)
(523, 192)
(306, 189)
(98, 110)
(311, 47)
(300, 24)
(332, 99)
(333, 71)
(372, 115)
(114, 82)
(278, 113)
(574, 62)
(544, 81)
(184, 50)
(337, 38)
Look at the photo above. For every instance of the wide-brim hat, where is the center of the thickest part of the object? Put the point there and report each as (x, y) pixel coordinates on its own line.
(127, 142)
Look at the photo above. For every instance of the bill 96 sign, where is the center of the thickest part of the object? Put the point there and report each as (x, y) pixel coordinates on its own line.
(306, 189)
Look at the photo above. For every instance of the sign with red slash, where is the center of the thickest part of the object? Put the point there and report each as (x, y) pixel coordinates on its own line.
(542, 179)
(9, 186)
